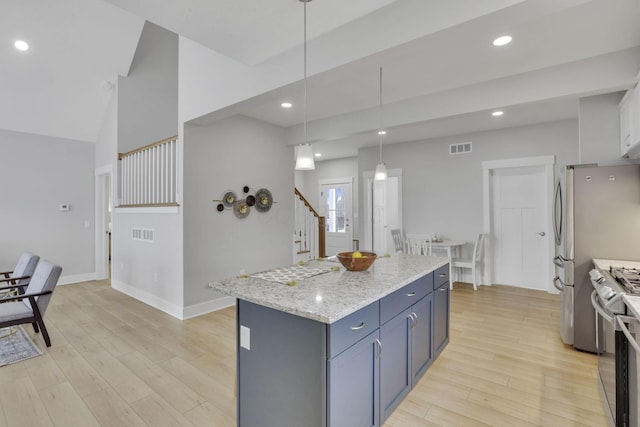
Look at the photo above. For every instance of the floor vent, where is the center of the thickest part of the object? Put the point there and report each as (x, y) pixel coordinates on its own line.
(461, 148)
(143, 234)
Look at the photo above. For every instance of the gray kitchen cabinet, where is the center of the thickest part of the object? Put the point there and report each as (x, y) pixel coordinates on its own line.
(354, 385)
(407, 343)
(441, 318)
(351, 372)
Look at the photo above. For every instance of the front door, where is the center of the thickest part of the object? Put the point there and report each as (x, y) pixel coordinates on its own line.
(519, 218)
(335, 206)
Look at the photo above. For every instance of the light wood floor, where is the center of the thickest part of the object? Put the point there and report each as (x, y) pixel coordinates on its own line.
(118, 362)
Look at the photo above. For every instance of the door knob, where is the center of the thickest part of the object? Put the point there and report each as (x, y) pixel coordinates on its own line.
(542, 233)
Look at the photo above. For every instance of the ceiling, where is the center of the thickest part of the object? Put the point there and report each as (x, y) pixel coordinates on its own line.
(441, 74)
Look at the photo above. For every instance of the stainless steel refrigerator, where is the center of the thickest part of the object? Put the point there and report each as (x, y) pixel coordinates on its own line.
(596, 214)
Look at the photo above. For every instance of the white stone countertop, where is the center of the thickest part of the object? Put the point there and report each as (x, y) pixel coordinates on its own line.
(329, 297)
(633, 304)
(604, 264)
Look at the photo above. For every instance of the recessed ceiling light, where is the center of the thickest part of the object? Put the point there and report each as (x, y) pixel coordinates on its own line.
(286, 105)
(382, 132)
(318, 154)
(21, 45)
(497, 113)
(501, 41)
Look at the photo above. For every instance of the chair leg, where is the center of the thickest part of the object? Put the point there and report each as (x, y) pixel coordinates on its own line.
(45, 334)
(473, 277)
(35, 327)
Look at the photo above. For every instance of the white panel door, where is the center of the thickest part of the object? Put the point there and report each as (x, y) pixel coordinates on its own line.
(519, 224)
(335, 206)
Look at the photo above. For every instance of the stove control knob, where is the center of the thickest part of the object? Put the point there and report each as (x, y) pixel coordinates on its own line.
(596, 276)
(608, 293)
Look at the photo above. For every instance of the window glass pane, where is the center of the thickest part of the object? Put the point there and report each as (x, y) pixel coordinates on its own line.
(336, 215)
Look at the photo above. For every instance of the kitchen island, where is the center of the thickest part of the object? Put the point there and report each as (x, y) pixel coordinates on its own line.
(340, 348)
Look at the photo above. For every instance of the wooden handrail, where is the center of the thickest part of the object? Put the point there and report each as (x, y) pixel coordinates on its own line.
(321, 223)
(306, 203)
(146, 147)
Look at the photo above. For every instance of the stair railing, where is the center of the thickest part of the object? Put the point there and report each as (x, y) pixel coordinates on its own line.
(148, 175)
(310, 228)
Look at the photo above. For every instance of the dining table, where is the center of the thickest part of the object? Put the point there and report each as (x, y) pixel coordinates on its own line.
(452, 248)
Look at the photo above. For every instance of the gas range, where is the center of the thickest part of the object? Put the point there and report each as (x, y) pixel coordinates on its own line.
(629, 278)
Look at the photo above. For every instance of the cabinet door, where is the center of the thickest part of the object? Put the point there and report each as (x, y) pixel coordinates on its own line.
(440, 318)
(353, 389)
(421, 334)
(395, 363)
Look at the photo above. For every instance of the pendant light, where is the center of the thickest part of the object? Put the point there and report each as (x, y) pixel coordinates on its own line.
(304, 157)
(381, 169)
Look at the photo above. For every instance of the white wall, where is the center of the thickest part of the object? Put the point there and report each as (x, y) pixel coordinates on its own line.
(148, 112)
(228, 155)
(38, 174)
(148, 96)
(443, 194)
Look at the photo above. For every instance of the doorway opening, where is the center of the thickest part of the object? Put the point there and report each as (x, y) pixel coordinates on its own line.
(382, 210)
(335, 204)
(103, 210)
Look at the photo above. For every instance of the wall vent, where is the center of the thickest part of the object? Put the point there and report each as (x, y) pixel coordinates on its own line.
(143, 234)
(461, 148)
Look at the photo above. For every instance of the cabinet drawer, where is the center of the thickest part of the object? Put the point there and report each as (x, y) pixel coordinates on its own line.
(351, 329)
(404, 297)
(440, 276)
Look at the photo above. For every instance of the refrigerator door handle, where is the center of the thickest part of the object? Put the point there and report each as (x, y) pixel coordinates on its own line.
(557, 222)
(561, 284)
(559, 261)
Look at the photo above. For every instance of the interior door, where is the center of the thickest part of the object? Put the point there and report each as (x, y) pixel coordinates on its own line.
(383, 212)
(519, 217)
(335, 206)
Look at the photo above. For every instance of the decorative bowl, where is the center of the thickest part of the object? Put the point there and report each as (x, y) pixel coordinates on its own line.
(356, 264)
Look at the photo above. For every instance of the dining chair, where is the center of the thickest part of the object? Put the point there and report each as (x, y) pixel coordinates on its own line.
(399, 240)
(472, 263)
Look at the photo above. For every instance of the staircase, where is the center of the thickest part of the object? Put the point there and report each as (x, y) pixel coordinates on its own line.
(309, 233)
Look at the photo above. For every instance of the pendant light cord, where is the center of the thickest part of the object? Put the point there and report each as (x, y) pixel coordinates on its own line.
(305, 72)
(380, 130)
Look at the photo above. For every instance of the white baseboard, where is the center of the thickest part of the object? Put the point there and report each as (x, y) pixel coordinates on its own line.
(170, 308)
(207, 307)
(148, 298)
(75, 278)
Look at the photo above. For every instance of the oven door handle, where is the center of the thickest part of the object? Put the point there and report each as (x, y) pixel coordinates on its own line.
(626, 332)
(598, 307)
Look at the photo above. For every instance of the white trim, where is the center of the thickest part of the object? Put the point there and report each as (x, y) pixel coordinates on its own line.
(149, 210)
(548, 163)
(76, 278)
(148, 298)
(519, 163)
(207, 307)
(103, 170)
(101, 241)
(329, 181)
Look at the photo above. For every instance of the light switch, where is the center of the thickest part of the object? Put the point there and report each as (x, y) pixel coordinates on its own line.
(245, 337)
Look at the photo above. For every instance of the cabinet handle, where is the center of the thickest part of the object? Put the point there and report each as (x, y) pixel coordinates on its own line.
(379, 348)
(413, 321)
(443, 275)
(414, 317)
(443, 289)
(411, 294)
(357, 328)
